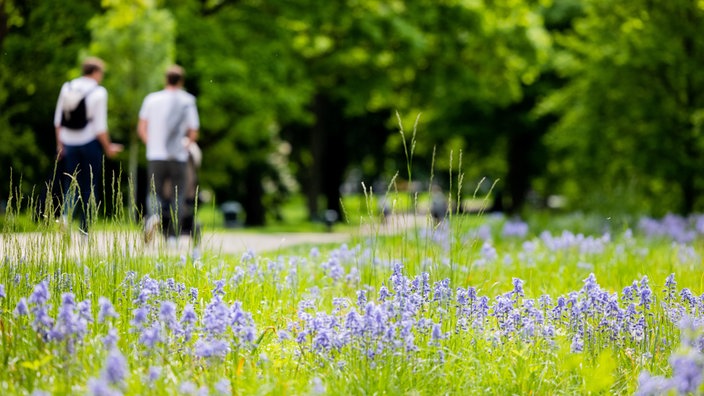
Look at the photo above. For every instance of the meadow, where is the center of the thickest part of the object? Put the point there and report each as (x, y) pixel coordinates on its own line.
(474, 304)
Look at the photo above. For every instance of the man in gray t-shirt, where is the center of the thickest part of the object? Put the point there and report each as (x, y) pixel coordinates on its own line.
(168, 123)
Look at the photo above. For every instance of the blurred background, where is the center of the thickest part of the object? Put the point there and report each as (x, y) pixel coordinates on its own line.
(571, 105)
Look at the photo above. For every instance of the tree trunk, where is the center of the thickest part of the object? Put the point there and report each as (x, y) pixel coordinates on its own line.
(255, 215)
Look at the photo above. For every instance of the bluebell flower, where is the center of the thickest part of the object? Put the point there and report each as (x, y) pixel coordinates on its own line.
(577, 344)
(2, 291)
(193, 293)
(139, 317)
(110, 340)
(283, 335)
(436, 334)
(317, 386)
(361, 298)
(242, 325)
(84, 311)
(100, 387)
(384, 293)
(687, 373)
(40, 295)
(670, 288)
(106, 310)
(353, 277)
(249, 255)
(515, 228)
(517, 288)
(167, 315)
(189, 315)
(42, 322)
(150, 336)
(216, 318)
(115, 370)
(219, 290)
(211, 348)
(461, 297)
(187, 388)
(223, 387)
(21, 308)
(652, 386)
(153, 374)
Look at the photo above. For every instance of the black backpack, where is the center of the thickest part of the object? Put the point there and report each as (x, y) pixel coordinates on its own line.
(74, 114)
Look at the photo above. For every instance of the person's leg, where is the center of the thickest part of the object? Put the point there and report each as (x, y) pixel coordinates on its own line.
(90, 180)
(157, 177)
(70, 186)
(177, 176)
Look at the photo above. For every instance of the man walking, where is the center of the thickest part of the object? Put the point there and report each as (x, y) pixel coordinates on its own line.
(80, 122)
(168, 124)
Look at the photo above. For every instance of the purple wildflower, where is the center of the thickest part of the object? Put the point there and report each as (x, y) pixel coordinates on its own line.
(21, 308)
(216, 318)
(577, 344)
(187, 388)
(100, 387)
(686, 373)
(242, 325)
(517, 288)
(317, 386)
(384, 293)
(212, 348)
(193, 294)
(106, 310)
(40, 295)
(153, 374)
(515, 228)
(139, 317)
(219, 290)
(361, 298)
(167, 315)
(115, 370)
(150, 336)
(436, 334)
(223, 387)
(110, 340)
(2, 291)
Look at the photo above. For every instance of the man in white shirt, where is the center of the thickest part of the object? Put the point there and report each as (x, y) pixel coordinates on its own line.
(168, 124)
(82, 148)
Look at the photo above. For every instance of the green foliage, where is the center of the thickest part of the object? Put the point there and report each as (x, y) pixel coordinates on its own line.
(276, 287)
(628, 112)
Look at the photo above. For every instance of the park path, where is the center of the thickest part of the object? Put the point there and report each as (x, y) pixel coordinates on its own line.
(31, 246)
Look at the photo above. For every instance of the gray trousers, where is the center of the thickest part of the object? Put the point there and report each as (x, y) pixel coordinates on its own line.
(166, 196)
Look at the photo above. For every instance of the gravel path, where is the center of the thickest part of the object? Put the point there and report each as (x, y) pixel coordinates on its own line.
(48, 245)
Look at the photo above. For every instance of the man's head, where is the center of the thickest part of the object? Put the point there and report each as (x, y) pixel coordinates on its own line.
(93, 67)
(174, 76)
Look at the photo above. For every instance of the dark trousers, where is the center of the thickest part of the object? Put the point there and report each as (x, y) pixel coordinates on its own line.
(84, 164)
(167, 184)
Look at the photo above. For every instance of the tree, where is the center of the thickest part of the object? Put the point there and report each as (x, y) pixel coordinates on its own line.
(40, 43)
(630, 116)
(137, 41)
(248, 85)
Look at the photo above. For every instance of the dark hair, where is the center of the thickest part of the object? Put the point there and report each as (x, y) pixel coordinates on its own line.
(91, 65)
(174, 75)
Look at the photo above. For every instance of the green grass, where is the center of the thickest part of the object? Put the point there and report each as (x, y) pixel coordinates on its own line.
(433, 348)
(272, 287)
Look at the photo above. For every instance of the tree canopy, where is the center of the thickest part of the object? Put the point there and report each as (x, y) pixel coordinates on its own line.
(596, 100)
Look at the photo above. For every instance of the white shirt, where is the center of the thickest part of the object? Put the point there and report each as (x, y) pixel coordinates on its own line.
(157, 109)
(96, 110)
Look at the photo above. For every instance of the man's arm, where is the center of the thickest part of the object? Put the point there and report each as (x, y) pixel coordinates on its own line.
(110, 148)
(192, 135)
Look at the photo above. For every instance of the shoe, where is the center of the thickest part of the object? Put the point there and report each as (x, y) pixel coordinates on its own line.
(151, 227)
